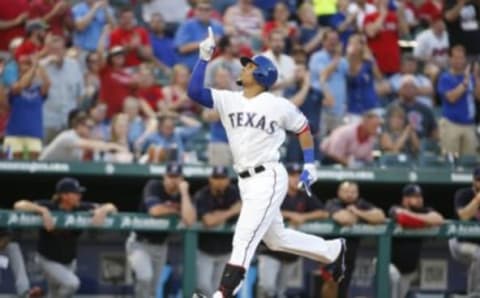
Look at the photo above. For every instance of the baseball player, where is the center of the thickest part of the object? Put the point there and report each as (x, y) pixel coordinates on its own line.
(256, 122)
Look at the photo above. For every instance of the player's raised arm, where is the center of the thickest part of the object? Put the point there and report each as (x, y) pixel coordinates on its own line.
(196, 91)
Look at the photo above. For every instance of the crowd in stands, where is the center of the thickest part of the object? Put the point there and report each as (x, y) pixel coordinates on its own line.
(106, 80)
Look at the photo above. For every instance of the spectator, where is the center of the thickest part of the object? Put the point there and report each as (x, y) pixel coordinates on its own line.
(276, 268)
(174, 12)
(25, 98)
(56, 13)
(72, 144)
(344, 22)
(284, 63)
(228, 60)
(324, 10)
(310, 34)
(134, 39)
(149, 91)
(92, 78)
(346, 210)
(423, 84)
(419, 116)
(57, 249)
(116, 81)
(217, 203)
(430, 10)
(463, 24)
(119, 135)
(13, 15)
(309, 101)
(458, 88)
(399, 136)
(66, 88)
(176, 98)
(90, 18)
(214, 14)
(193, 31)
(218, 151)
(36, 32)
(170, 139)
(383, 29)
(162, 45)
(432, 44)
(352, 144)
(244, 23)
(101, 128)
(138, 128)
(363, 71)
(147, 251)
(467, 250)
(411, 214)
(281, 23)
(328, 71)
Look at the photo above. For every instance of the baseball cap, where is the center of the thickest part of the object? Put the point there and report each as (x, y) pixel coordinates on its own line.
(116, 50)
(174, 169)
(219, 172)
(294, 168)
(69, 185)
(35, 25)
(412, 190)
(476, 173)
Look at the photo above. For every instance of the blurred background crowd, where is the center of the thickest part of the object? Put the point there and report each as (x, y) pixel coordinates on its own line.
(395, 82)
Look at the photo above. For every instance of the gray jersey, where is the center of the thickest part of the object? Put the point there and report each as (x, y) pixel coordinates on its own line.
(63, 148)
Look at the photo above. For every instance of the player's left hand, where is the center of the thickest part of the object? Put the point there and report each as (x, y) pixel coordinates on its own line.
(308, 177)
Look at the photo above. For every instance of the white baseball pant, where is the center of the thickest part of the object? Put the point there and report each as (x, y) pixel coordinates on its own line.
(260, 218)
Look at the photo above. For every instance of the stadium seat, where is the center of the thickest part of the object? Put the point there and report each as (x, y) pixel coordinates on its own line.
(433, 161)
(395, 160)
(467, 162)
(430, 146)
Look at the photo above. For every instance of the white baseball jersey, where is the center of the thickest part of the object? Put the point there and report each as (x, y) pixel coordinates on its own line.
(256, 127)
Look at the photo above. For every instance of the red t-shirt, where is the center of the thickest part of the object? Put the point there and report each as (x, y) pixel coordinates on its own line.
(384, 45)
(9, 10)
(272, 25)
(27, 48)
(115, 86)
(40, 8)
(121, 37)
(152, 95)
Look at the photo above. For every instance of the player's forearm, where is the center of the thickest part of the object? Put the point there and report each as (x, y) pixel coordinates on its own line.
(195, 90)
(375, 216)
(162, 210)
(108, 208)
(469, 211)
(188, 212)
(28, 206)
(306, 142)
(316, 215)
(215, 218)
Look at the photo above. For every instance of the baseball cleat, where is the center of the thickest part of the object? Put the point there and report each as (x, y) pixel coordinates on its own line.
(339, 267)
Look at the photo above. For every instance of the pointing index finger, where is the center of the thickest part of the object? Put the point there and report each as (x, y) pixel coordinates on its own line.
(210, 32)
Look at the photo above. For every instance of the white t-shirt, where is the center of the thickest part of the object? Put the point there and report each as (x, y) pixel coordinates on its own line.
(361, 13)
(429, 46)
(256, 127)
(285, 66)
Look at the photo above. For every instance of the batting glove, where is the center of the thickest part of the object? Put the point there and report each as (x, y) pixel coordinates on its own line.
(207, 46)
(308, 177)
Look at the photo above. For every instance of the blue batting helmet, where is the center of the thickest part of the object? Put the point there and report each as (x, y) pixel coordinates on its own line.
(266, 73)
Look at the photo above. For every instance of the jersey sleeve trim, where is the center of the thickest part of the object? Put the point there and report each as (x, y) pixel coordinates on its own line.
(305, 127)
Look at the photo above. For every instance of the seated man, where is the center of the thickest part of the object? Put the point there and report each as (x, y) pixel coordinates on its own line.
(467, 250)
(411, 214)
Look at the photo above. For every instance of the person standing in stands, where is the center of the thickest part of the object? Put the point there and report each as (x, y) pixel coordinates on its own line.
(411, 214)
(217, 203)
(276, 268)
(57, 249)
(147, 251)
(467, 250)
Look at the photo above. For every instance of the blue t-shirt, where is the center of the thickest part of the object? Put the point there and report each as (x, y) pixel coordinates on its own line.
(194, 31)
(311, 107)
(361, 90)
(335, 21)
(463, 110)
(26, 118)
(218, 133)
(337, 82)
(87, 39)
(163, 49)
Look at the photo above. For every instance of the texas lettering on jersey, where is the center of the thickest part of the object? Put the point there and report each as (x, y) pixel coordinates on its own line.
(253, 120)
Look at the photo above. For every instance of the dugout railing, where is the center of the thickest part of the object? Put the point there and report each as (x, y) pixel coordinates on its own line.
(134, 221)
